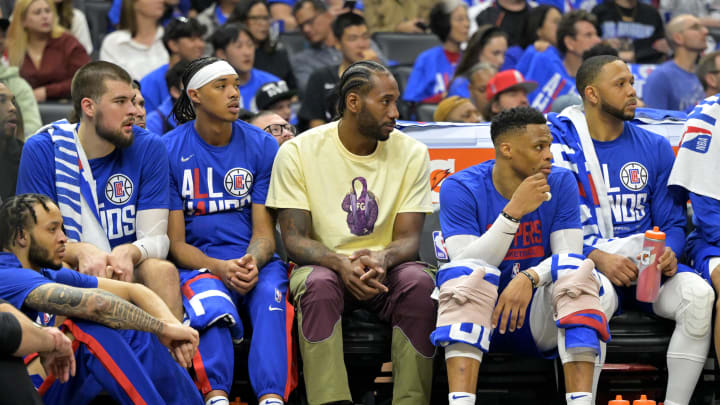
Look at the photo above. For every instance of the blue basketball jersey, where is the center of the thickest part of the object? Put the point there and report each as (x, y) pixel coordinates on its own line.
(215, 186)
(127, 180)
(470, 204)
(636, 167)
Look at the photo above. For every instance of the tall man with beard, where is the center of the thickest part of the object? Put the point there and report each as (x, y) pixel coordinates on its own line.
(110, 180)
(622, 172)
(352, 222)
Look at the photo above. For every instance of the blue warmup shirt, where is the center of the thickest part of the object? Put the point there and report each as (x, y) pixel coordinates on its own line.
(127, 180)
(154, 88)
(470, 204)
(216, 186)
(161, 120)
(553, 79)
(17, 282)
(430, 75)
(636, 167)
(459, 87)
(257, 79)
(669, 87)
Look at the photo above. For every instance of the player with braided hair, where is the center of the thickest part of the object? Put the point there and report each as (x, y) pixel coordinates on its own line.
(129, 364)
(352, 221)
(227, 164)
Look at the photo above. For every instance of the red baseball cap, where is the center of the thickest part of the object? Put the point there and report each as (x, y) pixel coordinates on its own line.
(506, 80)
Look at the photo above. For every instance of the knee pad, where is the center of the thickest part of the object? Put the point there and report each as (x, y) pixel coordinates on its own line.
(577, 290)
(468, 292)
(466, 299)
(695, 313)
(576, 303)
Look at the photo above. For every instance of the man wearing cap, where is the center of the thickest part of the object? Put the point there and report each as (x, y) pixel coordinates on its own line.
(507, 89)
(275, 97)
(183, 39)
(456, 109)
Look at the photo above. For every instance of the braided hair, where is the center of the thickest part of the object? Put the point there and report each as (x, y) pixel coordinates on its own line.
(357, 78)
(16, 214)
(183, 109)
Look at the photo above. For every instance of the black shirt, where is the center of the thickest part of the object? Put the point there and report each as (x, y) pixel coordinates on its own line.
(10, 150)
(512, 22)
(15, 384)
(276, 61)
(320, 95)
(642, 24)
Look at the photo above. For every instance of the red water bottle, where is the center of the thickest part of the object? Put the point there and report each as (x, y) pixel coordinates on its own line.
(648, 283)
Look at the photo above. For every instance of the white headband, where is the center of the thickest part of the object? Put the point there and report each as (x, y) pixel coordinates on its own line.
(209, 73)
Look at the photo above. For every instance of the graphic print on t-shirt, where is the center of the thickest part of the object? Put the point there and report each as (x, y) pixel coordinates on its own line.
(362, 208)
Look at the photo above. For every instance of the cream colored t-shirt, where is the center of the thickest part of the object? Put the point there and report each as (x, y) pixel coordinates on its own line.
(353, 200)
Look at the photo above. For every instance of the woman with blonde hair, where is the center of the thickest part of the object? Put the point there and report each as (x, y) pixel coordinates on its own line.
(137, 45)
(74, 19)
(46, 54)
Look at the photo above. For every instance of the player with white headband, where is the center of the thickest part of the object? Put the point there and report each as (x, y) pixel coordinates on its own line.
(219, 176)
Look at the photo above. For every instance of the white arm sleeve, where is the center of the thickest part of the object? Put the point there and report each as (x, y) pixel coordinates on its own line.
(491, 247)
(562, 241)
(151, 231)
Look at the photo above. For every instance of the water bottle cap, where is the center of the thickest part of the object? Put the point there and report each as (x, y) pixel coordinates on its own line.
(618, 401)
(643, 400)
(655, 233)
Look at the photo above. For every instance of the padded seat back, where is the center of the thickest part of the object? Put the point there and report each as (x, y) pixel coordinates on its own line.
(402, 48)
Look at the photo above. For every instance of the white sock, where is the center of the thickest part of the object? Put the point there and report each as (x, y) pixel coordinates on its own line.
(461, 398)
(217, 400)
(579, 398)
(271, 401)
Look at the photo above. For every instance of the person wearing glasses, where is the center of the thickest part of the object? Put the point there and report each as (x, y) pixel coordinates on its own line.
(707, 72)
(219, 178)
(274, 125)
(270, 56)
(673, 85)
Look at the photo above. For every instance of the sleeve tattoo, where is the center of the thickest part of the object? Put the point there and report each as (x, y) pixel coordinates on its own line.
(92, 304)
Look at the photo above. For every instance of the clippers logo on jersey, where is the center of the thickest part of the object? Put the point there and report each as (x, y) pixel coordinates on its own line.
(238, 182)
(634, 176)
(118, 189)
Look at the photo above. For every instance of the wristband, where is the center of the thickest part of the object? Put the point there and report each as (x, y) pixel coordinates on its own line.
(532, 279)
(510, 217)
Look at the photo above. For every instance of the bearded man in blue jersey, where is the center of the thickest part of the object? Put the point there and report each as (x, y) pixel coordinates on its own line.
(110, 179)
(623, 173)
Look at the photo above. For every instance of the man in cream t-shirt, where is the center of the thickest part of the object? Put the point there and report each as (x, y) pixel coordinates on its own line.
(352, 197)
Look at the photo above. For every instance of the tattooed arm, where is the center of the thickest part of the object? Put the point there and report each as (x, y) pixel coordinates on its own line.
(92, 304)
(103, 307)
(296, 226)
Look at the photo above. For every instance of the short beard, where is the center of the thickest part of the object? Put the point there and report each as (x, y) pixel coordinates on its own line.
(115, 137)
(616, 112)
(40, 257)
(370, 128)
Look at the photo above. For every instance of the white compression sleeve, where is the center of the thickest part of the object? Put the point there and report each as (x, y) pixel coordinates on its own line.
(562, 241)
(491, 247)
(151, 231)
